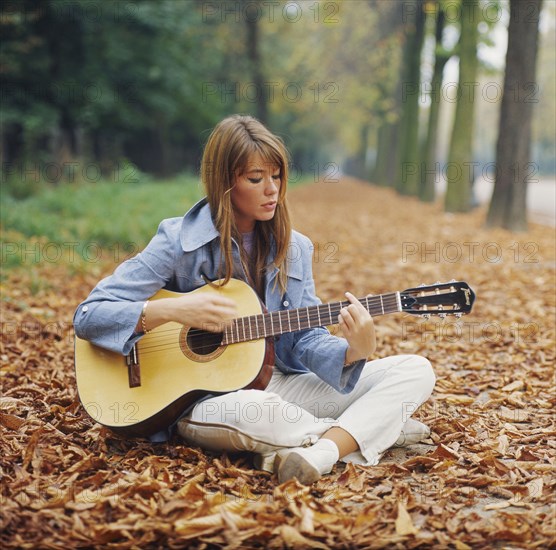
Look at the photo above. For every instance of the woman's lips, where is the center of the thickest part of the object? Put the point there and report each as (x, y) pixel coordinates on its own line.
(269, 205)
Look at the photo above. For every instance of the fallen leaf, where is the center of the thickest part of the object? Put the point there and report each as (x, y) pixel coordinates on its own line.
(404, 524)
(513, 415)
(535, 488)
(514, 386)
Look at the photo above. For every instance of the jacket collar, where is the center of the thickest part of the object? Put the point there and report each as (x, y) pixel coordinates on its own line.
(197, 228)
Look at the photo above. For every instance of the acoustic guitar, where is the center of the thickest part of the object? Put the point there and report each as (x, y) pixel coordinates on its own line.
(173, 366)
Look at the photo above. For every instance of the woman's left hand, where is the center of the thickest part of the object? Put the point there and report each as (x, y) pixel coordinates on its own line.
(358, 329)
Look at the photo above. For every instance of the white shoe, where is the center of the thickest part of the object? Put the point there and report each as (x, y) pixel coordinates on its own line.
(412, 432)
(307, 464)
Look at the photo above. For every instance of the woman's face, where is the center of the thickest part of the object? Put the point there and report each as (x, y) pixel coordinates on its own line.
(255, 193)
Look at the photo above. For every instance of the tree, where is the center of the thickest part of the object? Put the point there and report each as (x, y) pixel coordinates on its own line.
(508, 204)
(253, 54)
(408, 175)
(441, 56)
(460, 158)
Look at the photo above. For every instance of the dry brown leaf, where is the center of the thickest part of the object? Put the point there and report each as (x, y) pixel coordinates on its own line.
(307, 516)
(294, 539)
(404, 524)
(514, 386)
(513, 415)
(457, 399)
(11, 421)
(535, 488)
(503, 444)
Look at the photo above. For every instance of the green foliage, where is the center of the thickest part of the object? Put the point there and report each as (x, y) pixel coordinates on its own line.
(106, 214)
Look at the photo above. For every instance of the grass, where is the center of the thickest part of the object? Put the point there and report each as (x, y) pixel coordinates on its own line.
(104, 212)
(60, 223)
(78, 220)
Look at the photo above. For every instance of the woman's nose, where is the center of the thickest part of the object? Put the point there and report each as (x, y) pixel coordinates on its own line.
(271, 186)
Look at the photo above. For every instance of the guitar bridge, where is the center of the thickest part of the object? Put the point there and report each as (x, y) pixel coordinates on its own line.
(133, 368)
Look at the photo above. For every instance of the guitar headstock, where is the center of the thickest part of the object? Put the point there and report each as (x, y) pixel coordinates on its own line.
(453, 298)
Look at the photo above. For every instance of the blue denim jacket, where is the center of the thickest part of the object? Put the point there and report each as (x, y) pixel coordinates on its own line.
(179, 255)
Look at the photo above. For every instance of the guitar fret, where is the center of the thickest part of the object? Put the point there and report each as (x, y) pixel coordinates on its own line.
(280, 320)
(382, 304)
(298, 320)
(308, 317)
(264, 323)
(329, 313)
(289, 320)
(250, 331)
(318, 314)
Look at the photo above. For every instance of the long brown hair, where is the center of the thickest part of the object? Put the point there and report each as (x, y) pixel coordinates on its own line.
(227, 152)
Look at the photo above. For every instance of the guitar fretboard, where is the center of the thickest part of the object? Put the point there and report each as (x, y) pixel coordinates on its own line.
(275, 323)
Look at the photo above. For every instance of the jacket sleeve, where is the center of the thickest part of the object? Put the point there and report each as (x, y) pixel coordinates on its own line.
(321, 352)
(109, 315)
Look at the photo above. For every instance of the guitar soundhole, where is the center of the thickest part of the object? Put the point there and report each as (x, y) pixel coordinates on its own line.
(201, 345)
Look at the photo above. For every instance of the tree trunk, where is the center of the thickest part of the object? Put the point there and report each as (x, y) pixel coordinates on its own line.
(361, 155)
(429, 174)
(459, 167)
(408, 173)
(508, 207)
(253, 55)
(383, 154)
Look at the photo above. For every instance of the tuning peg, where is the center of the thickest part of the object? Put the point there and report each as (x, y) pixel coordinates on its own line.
(442, 315)
(422, 284)
(453, 281)
(458, 315)
(427, 316)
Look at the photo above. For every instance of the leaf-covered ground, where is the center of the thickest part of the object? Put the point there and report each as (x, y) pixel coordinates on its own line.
(485, 479)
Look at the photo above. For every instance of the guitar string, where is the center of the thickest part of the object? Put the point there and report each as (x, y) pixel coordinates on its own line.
(313, 310)
(372, 302)
(159, 342)
(313, 317)
(259, 323)
(169, 340)
(173, 344)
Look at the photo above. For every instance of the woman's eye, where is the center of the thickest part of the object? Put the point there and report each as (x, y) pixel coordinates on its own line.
(276, 177)
(255, 180)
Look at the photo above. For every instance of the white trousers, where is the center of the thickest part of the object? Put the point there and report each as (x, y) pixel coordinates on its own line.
(297, 409)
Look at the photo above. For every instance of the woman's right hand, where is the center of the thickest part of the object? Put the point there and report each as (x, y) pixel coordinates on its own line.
(209, 312)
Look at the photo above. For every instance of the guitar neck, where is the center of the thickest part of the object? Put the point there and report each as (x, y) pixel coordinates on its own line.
(275, 323)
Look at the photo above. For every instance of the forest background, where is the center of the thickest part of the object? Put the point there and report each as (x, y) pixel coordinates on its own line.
(406, 94)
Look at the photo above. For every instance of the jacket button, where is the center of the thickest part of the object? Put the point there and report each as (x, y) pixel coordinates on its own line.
(84, 309)
(286, 303)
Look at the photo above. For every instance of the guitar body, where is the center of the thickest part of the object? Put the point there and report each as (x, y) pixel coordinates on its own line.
(173, 374)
